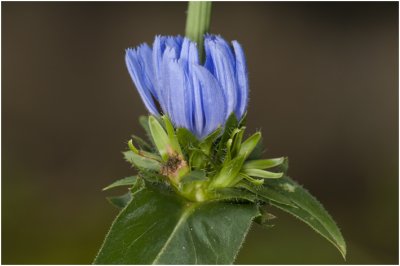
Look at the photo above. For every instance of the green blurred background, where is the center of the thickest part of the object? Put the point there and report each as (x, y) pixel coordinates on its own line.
(324, 92)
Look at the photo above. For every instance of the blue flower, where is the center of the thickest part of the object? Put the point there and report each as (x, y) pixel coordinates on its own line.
(195, 96)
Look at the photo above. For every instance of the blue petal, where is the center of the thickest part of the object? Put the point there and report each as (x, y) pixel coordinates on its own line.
(160, 45)
(168, 56)
(174, 42)
(222, 68)
(218, 39)
(212, 101)
(178, 96)
(198, 120)
(242, 80)
(136, 71)
(144, 53)
(158, 50)
(189, 52)
(189, 56)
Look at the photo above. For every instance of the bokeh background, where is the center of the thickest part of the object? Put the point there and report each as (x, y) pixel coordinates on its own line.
(324, 91)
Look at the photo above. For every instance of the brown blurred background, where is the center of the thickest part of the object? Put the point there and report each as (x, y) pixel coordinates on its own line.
(324, 91)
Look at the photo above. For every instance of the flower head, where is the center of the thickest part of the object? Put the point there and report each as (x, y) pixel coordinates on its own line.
(195, 96)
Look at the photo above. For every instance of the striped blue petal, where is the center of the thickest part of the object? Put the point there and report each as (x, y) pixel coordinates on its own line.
(222, 68)
(160, 45)
(242, 80)
(169, 56)
(189, 52)
(136, 68)
(144, 53)
(199, 119)
(177, 92)
(212, 100)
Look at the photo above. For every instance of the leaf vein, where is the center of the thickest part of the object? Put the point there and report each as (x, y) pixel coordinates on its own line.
(186, 213)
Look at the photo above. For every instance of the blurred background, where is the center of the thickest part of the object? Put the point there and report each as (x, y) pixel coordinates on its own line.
(324, 91)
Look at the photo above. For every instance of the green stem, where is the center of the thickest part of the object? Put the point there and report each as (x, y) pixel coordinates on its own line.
(198, 23)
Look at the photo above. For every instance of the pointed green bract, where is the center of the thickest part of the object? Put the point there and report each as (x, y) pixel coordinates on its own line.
(206, 144)
(141, 161)
(230, 125)
(262, 173)
(257, 152)
(171, 135)
(187, 140)
(263, 164)
(132, 147)
(237, 141)
(144, 122)
(248, 146)
(127, 181)
(150, 155)
(228, 173)
(228, 155)
(160, 138)
(254, 181)
(143, 145)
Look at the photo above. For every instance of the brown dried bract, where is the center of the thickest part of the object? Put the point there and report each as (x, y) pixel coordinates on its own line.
(173, 165)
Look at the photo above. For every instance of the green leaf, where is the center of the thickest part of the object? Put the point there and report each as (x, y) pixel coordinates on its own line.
(120, 201)
(265, 193)
(127, 181)
(142, 162)
(160, 138)
(262, 173)
(236, 194)
(162, 228)
(263, 164)
(308, 210)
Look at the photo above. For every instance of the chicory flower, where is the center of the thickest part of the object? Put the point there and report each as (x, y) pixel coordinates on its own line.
(195, 96)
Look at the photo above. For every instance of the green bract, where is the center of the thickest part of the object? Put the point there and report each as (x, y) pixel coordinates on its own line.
(184, 184)
(200, 170)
